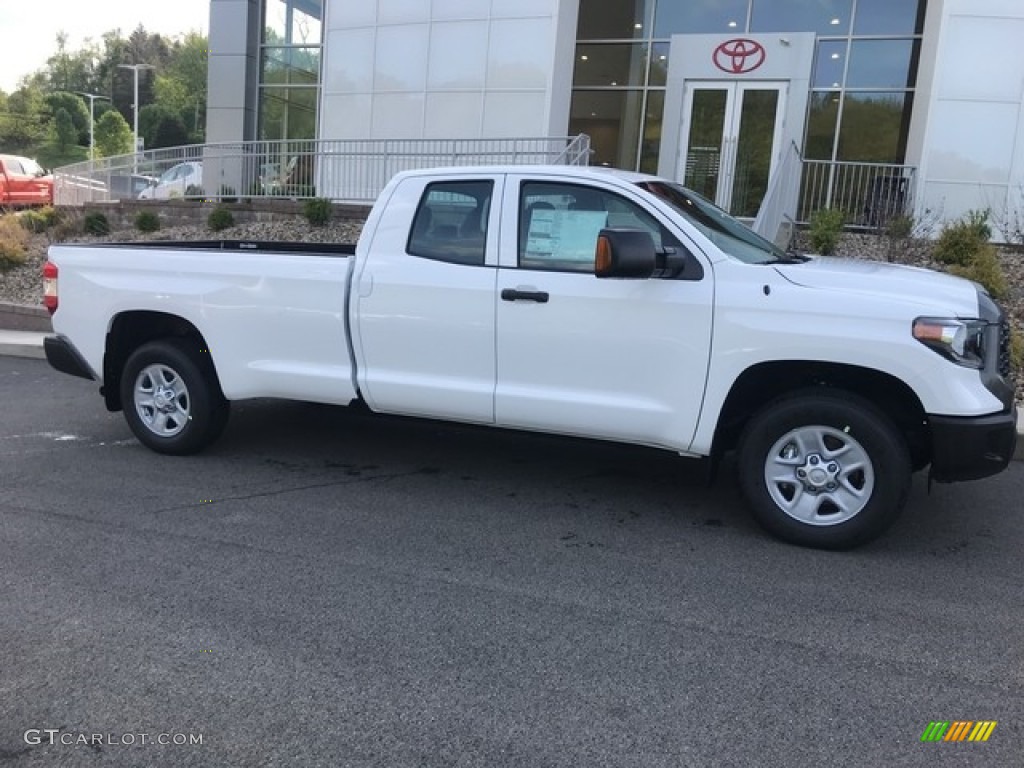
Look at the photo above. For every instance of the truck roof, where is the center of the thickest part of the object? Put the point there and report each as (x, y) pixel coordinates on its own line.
(574, 171)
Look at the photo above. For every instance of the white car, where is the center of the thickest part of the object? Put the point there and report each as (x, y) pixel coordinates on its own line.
(175, 182)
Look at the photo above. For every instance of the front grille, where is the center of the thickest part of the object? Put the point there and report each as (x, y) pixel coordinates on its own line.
(1004, 349)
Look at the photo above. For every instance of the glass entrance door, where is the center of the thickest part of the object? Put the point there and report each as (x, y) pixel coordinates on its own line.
(732, 133)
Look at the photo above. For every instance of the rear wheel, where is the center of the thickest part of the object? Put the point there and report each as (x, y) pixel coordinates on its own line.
(824, 469)
(171, 398)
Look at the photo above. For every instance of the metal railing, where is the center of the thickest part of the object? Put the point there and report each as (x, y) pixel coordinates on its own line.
(344, 171)
(776, 218)
(870, 194)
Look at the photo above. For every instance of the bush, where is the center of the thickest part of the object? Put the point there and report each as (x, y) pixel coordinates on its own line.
(220, 219)
(39, 219)
(194, 191)
(826, 228)
(1017, 350)
(147, 221)
(13, 242)
(984, 268)
(962, 240)
(317, 211)
(68, 225)
(96, 223)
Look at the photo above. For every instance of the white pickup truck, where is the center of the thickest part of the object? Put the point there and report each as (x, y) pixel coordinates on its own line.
(576, 301)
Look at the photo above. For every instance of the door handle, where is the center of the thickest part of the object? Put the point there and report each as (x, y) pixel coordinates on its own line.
(513, 294)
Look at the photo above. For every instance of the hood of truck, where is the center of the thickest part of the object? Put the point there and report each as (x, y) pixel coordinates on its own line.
(938, 292)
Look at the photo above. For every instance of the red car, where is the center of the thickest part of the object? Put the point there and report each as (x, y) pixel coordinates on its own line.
(23, 182)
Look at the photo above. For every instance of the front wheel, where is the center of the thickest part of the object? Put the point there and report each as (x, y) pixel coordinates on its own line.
(824, 469)
(171, 397)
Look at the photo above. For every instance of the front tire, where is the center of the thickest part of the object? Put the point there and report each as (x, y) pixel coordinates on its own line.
(824, 469)
(171, 399)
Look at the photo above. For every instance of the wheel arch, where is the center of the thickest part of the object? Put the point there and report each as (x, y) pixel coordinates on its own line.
(763, 383)
(130, 330)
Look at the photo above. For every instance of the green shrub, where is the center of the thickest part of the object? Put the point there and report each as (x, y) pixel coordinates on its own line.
(317, 211)
(13, 242)
(220, 219)
(68, 225)
(1017, 351)
(96, 223)
(962, 240)
(228, 194)
(826, 228)
(194, 192)
(39, 219)
(978, 221)
(985, 269)
(147, 221)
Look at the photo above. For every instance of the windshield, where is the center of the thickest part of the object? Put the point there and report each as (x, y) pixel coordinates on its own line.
(730, 235)
(32, 167)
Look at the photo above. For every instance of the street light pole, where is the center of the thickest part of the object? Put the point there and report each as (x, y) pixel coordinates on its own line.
(92, 119)
(135, 104)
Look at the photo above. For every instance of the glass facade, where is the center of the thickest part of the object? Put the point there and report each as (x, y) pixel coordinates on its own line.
(862, 85)
(290, 56)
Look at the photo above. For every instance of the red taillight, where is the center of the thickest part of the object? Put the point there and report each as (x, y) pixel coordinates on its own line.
(50, 287)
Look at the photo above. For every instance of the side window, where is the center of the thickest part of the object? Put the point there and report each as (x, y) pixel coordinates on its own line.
(451, 222)
(559, 224)
(14, 166)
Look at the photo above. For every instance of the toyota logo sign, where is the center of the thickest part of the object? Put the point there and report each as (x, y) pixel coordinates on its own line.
(739, 56)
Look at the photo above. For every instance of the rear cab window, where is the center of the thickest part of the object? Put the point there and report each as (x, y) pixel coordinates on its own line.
(450, 223)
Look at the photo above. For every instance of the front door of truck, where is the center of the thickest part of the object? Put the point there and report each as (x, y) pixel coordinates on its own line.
(423, 300)
(622, 359)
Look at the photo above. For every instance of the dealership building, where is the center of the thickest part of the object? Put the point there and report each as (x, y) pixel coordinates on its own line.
(868, 105)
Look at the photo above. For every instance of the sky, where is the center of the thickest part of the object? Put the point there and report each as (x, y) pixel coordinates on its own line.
(29, 27)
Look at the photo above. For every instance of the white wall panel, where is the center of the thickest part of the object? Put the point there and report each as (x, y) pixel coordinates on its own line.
(400, 61)
(518, 52)
(349, 56)
(397, 115)
(351, 13)
(982, 60)
(402, 11)
(458, 55)
(460, 9)
(510, 114)
(959, 152)
(453, 115)
(345, 116)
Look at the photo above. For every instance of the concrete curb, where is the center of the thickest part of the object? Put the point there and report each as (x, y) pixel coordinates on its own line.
(30, 344)
(22, 344)
(24, 317)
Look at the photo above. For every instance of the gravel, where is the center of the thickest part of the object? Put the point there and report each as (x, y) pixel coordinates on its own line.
(23, 285)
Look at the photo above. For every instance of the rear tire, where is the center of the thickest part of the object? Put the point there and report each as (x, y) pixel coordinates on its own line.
(171, 399)
(824, 469)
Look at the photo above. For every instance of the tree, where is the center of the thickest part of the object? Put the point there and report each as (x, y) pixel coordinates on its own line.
(23, 123)
(161, 126)
(75, 106)
(62, 147)
(113, 136)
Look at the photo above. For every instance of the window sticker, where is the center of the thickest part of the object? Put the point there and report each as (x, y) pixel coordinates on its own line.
(564, 235)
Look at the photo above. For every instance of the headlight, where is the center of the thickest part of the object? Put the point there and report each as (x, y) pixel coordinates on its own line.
(962, 341)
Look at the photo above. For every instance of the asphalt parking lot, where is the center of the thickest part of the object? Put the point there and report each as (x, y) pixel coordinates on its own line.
(328, 588)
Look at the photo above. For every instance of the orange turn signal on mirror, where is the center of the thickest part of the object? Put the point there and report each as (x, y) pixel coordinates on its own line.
(603, 256)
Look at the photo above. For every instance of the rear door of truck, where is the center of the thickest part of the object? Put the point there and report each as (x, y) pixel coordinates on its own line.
(422, 308)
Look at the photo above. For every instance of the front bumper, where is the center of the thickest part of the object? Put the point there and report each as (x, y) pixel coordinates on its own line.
(972, 447)
(62, 355)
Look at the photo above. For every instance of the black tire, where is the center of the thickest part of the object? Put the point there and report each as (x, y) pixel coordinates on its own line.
(182, 411)
(829, 506)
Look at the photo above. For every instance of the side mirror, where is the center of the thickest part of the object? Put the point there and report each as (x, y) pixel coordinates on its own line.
(625, 253)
